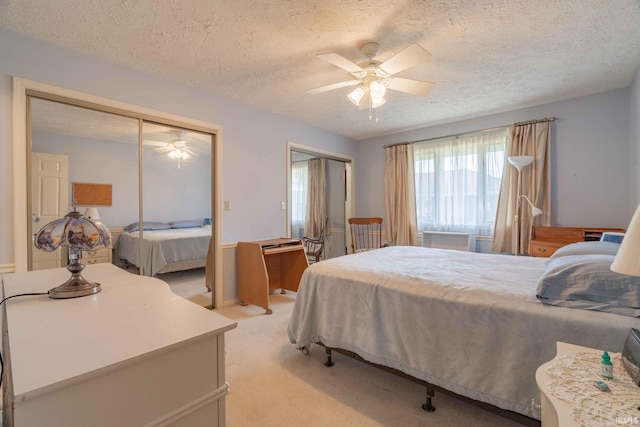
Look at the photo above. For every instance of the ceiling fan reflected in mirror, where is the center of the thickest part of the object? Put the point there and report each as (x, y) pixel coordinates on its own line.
(372, 78)
(177, 148)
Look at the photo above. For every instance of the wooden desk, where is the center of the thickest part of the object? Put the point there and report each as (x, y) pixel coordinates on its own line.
(546, 240)
(267, 265)
(133, 354)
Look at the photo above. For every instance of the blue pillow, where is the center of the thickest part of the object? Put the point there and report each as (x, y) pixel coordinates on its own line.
(587, 282)
(586, 248)
(185, 224)
(147, 225)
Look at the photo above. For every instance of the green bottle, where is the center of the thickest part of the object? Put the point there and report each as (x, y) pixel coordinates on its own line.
(606, 366)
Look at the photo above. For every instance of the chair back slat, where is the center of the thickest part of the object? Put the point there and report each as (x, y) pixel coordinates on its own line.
(314, 246)
(366, 234)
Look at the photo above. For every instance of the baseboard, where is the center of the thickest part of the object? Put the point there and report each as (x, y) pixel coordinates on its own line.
(230, 302)
(7, 268)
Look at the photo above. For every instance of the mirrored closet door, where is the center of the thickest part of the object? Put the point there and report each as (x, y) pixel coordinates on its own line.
(150, 171)
(319, 192)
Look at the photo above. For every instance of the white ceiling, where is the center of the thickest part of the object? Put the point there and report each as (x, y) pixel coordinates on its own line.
(488, 55)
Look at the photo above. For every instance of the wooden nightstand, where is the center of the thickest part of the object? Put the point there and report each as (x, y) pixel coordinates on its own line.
(97, 255)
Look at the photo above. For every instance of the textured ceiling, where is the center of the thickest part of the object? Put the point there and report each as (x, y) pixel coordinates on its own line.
(488, 56)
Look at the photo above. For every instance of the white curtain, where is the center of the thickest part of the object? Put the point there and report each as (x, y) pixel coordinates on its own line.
(299, 182)
(400, 194)
(526, 139)
(316, 215)
(458, 182)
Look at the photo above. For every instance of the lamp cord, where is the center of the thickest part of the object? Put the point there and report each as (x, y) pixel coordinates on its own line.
(2, 302)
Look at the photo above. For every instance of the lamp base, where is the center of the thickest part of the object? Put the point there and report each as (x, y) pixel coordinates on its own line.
(76, 286)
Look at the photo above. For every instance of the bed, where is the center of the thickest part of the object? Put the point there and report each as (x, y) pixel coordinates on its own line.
(465, 322)
(167, 248)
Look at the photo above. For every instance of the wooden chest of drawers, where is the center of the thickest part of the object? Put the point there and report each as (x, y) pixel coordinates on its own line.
(546, 240)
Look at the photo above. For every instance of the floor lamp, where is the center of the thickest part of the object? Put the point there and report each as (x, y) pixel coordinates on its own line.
(520, 162)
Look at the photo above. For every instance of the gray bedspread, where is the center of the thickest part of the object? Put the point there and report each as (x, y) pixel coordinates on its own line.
(163, 247)
(464, 321)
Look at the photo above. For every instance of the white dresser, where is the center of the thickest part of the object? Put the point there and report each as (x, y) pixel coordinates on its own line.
(134, 354)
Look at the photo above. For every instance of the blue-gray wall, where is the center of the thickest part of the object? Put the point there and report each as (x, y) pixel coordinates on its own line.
(254, 141)
(591, 148)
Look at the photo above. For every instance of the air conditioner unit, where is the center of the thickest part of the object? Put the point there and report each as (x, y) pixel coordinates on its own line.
(449, 240)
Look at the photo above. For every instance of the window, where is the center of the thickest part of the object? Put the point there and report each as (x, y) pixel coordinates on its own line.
(299, 177)
(457, 182)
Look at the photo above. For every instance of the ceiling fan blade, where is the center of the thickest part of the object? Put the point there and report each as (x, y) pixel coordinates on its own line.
(414, 87)
(190, 152)
(153, 143)
(332, 87)
(406, 58)
(340, 61)
(162, 149)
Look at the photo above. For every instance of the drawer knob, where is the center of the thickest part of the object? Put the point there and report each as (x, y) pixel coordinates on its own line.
(543, 250)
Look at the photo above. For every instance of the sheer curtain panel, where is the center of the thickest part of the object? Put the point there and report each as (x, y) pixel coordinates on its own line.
(457, 182)
(399, 186)
(299, 181)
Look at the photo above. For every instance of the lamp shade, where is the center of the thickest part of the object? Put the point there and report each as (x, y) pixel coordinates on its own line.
(356, 95)
(520, 162)
(92, 213)
(74, 231)
(627, 260)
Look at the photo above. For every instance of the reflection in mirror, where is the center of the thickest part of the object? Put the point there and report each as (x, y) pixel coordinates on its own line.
(177, 184)
(70, 144)
(318, 204)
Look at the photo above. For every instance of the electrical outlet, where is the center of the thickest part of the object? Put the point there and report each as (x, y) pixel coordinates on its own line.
(282, 206)
(227, 205)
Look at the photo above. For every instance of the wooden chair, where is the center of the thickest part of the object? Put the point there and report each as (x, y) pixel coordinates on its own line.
(314, 246)
(366, 234)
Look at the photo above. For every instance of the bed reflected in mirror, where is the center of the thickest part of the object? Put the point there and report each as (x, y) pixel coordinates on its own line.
(76, 147)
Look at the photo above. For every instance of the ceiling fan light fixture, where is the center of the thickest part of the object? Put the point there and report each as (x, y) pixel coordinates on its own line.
(377, 91)
(375, 103)
(178, 154)
(356, 95)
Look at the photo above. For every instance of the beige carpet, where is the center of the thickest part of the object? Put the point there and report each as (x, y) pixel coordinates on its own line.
(273, 384)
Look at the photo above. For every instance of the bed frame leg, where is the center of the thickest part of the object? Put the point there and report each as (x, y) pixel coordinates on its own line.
(329, 363)
(428, 406)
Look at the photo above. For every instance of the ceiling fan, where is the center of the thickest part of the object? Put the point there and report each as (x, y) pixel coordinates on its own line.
(176, 149)
(373, 78)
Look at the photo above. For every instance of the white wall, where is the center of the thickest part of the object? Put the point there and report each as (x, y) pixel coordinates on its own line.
(634, 157)
(590, 148)
(254, 141)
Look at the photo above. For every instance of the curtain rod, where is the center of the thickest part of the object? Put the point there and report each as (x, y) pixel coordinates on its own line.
(529, 122)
